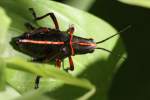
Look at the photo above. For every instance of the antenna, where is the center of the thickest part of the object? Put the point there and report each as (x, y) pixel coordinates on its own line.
(129, 26)
(114, 34)
(110, 52)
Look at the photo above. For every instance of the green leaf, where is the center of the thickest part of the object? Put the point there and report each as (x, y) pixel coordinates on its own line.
(46, 71)
(83, 5)
(4, 24)
(97, 67)
(2, 74)
(33, 95)
(9, 94)
(142, 3)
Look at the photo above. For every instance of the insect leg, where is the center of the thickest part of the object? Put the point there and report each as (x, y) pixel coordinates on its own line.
(71, 65)
(58, 63)
(63, 64)
(53, 17)
(45, 60)
(71, 30)
(65, 69)
(37, 80)
(29, 26)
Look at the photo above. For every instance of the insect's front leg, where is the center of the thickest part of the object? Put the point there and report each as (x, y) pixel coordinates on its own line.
(71, 64)
(71, 67)
(53, 17)
(70, 31)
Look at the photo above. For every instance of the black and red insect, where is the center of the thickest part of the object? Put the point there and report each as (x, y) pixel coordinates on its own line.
(46, 44)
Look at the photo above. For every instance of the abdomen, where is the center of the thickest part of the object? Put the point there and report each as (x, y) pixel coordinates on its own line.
(39, 45)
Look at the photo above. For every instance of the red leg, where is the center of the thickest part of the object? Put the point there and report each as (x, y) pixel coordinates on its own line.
(71, 30)
(71, 64)
(58, 63)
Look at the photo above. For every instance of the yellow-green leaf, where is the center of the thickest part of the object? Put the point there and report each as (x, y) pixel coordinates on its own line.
(142, 3)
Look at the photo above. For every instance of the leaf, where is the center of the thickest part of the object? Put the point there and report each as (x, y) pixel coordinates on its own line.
(46, 71)
(4, 24)
(9, 94)
(86, 25)
(142, 3)
(2, 74)
(33, 95)
(83, 5)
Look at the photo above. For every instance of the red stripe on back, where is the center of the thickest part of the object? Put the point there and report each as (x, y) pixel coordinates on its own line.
(39, 42)
(54, 43)
(84, 44)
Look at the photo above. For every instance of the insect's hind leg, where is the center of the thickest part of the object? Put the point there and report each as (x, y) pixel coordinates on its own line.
(53, 17)
(37, 81)
(29, 26)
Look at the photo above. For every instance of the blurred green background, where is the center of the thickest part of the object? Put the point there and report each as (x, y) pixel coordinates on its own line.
(131, 81)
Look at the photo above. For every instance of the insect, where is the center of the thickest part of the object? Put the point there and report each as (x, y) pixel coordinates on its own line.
(46, 44)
